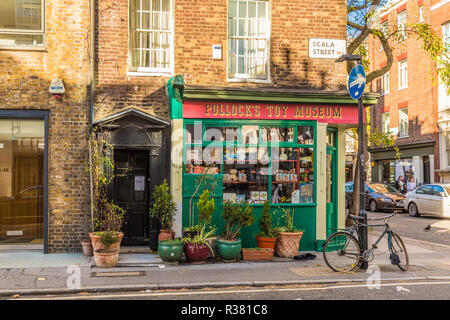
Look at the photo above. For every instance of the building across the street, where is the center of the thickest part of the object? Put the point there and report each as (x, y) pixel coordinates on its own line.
(245, 90)
(413, 104)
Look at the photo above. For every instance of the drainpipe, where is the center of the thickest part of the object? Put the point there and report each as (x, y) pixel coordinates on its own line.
(92, 61)
(91, 101)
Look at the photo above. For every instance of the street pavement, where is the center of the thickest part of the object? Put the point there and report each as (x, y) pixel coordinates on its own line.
(429, 262)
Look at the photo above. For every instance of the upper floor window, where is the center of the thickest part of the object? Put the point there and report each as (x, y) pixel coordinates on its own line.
(385, 30)
(403, 74)
(248, 39)
(446, 35)
(150, 36)
(421, 14)
(402, 25)
(385, 122)
(22, 23)
(385, 83)
(447, 147)
(403, 122)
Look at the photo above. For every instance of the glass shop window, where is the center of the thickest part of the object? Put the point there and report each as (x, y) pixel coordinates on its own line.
(245, 174)
(201, 160)
(278, 134)
(305, 135)
(293, 175)
(221, 134)
(193, 133)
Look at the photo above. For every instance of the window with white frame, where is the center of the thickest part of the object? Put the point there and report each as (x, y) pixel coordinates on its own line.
(421, 14)
(403, 74)
(248, 39)
(22, 23)
(403, 122)
(385, 30)
(385, 122)
(402, 25)
(446, 35)
(150, 36)
(385, 83)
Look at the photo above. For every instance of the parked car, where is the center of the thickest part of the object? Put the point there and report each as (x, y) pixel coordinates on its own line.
(433, 199)
(379, 197)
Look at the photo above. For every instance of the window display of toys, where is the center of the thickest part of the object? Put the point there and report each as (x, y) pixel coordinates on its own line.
(229, 197)
(242, 176)
(240, 198)
(234, 175)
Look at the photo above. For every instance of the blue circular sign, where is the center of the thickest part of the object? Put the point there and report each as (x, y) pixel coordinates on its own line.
(357, 82)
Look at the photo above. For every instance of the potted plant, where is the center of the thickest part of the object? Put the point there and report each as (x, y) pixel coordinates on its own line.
(206, 208)
(170, 251)
(257, 254)
(266, 238)
(87, 247)
(197, 249)
(107, 256)
(106, 216)
(288, 236)
(164, 210)
(236, 216)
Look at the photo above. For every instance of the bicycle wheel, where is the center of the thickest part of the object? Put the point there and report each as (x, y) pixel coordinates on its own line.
(398, 247)
(341, 252)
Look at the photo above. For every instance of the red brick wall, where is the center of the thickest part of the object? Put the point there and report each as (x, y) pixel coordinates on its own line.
(199, 24)
(421, 94)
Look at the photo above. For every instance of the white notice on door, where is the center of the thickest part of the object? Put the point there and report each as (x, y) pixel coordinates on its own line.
(139, 183)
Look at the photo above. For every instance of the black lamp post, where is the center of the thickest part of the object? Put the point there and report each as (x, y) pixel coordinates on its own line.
(362, 203)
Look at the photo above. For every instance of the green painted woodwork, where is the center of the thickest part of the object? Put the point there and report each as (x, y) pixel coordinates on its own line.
(175, 98)
(332, 212)
(291, 96)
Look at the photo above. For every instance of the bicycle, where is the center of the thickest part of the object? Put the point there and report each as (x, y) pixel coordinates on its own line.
(344, 253)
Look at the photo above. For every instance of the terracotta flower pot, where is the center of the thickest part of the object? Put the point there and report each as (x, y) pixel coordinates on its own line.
(288, 244)
(266, 243)
(97, 244)
(105, 259)
(166, 235)
(87, 247)
(196, 253)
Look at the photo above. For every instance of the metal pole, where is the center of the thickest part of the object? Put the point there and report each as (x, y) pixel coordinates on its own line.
(362, 188)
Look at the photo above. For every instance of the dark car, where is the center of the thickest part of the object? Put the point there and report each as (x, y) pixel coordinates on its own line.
(379, 197)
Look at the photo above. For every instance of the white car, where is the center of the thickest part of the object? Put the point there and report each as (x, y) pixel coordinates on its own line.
(432, 199)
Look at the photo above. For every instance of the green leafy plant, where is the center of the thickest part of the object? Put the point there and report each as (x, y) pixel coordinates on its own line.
(265, 223)
(107, 238)
(106, 216)
(205, 207)
(288, 223)
(163, 208)
(236, 216)
(202, 238)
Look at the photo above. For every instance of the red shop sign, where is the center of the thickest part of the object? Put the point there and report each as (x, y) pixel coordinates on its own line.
(270, 111)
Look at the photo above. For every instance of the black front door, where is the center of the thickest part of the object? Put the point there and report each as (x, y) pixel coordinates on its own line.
(131, 192)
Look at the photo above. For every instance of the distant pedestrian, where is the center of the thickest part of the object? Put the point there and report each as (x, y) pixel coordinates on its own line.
(400, 184)
(411, 185)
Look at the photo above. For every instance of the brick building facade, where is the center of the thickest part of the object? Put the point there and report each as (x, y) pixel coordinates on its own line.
(44, 201)
(408, 106)
(139, 47)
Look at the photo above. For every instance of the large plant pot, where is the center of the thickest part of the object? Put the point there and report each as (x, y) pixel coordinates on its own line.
(105, 259)
(97, 244)
(87, 247)
(165, 235)
(229, 250)
(170, 251)
(196, 253)
(266, 243)
(288, 244)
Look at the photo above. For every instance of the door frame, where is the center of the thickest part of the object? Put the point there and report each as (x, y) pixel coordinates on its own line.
(334, 190)
(39, 115)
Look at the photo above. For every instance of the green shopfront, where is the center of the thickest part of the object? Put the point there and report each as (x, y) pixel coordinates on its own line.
(283, 146)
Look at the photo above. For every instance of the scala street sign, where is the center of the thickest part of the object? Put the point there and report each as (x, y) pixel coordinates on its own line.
(357, 82)
(327, 48)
